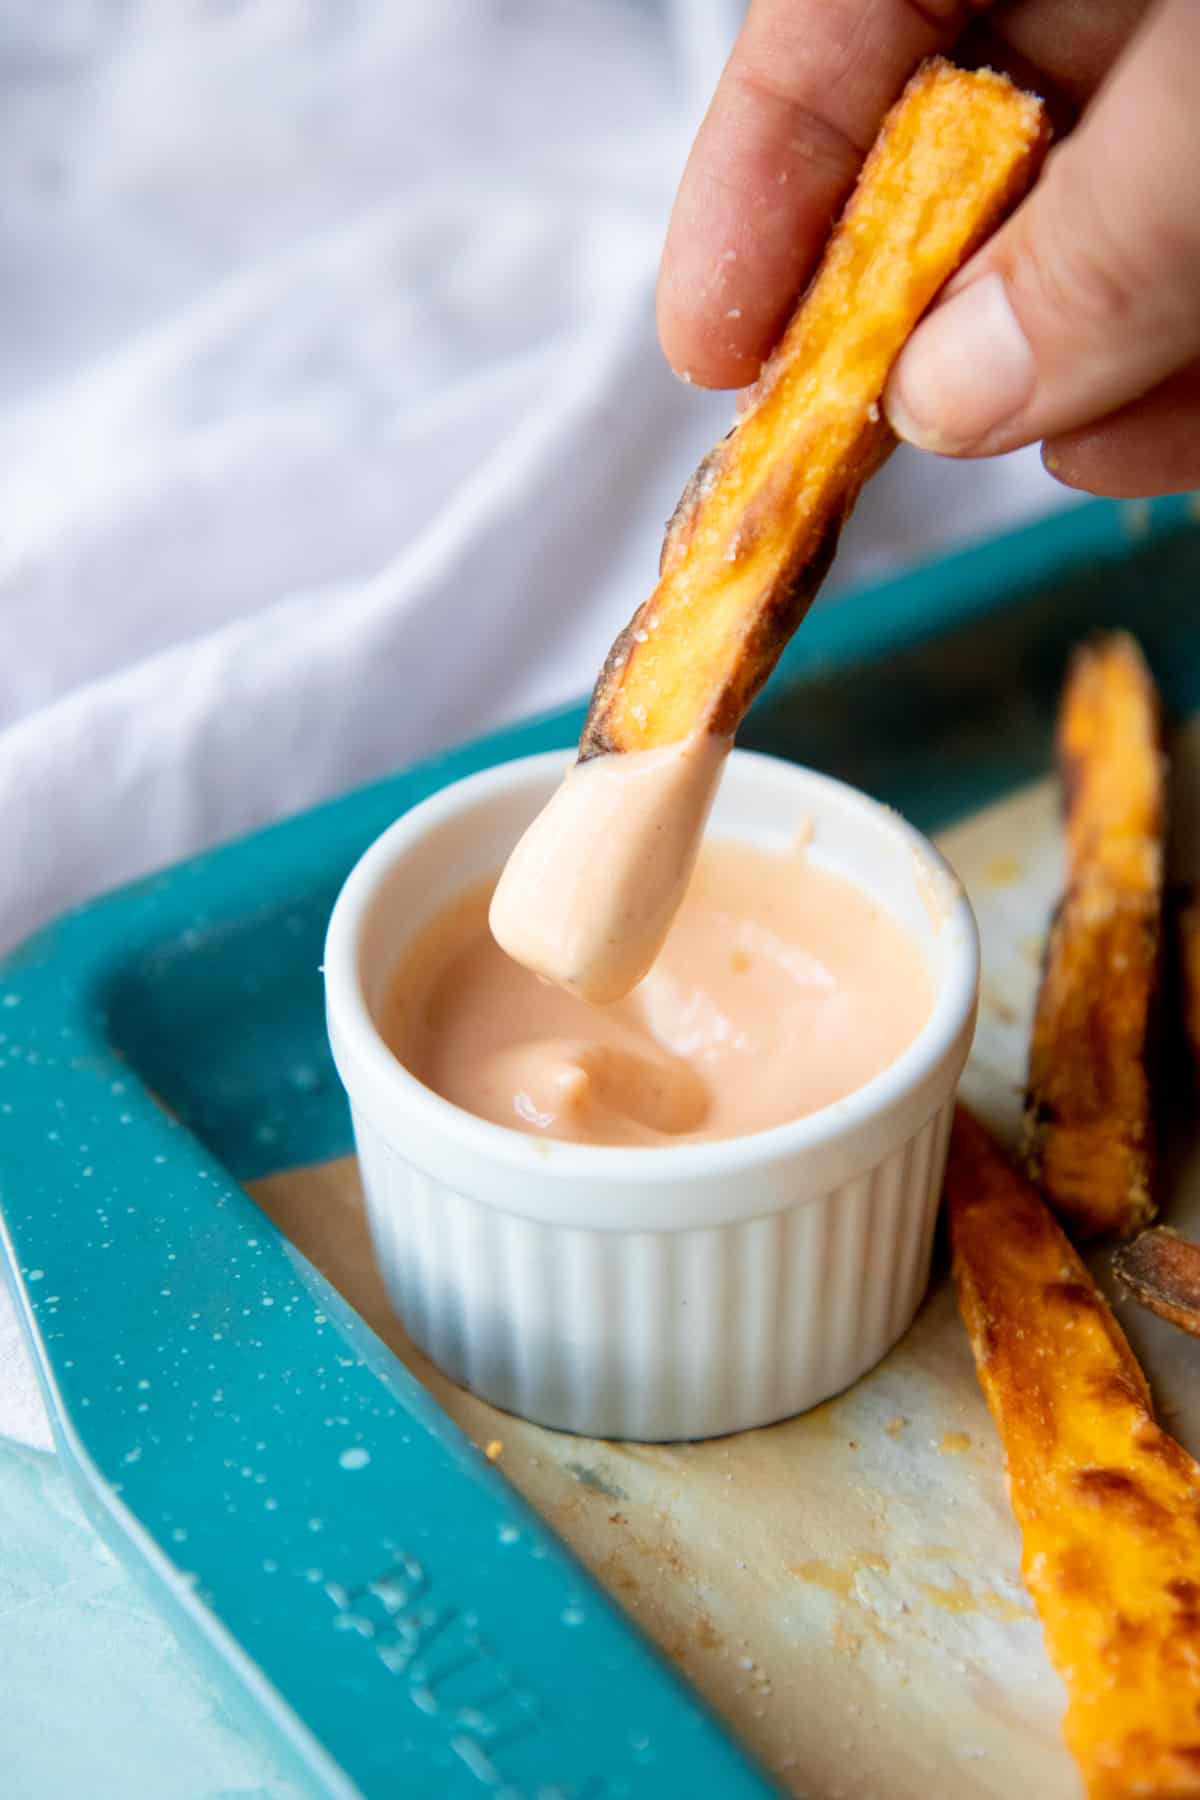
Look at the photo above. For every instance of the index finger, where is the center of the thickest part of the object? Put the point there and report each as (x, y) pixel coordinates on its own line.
(796, 109)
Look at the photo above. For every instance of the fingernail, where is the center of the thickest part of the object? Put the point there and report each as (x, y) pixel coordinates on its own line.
(964, 372)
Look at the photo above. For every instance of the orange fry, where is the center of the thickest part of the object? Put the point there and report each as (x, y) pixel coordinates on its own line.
(1090, 1104)
(756, 529)
(1108, 1504)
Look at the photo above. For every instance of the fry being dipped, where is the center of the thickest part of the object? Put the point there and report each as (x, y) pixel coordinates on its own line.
(1107, 1502)
(1089, 1106)
(589, 893)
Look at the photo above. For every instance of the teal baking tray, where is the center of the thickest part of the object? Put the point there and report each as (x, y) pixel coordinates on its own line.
(361, 1575)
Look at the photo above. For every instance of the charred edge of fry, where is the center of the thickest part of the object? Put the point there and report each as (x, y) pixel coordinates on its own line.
(775, 622)
(596, 738)
(1005, 151)
(781, 609)
(1090, 1128)
(686, 506)
(1161, 1271)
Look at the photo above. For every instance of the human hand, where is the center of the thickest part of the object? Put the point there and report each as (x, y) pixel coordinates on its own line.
(1077, 324)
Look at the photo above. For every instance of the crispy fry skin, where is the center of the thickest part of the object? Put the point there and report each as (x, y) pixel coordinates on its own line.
(1108, 1504)
(1089, 1137)
(1162, 1272)
(757, 525)
(1089, 1105)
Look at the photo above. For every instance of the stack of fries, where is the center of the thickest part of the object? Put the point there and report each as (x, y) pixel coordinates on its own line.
(1108, 1503)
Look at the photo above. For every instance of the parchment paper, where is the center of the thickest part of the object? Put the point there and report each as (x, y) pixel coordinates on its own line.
(844, 1588)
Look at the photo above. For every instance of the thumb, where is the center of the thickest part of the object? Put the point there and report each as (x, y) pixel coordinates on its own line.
(1090, 294)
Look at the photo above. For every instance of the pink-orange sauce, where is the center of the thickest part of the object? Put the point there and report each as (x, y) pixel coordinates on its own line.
(781, 987)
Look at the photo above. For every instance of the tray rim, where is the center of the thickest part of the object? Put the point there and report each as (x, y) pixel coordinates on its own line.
(71, 964)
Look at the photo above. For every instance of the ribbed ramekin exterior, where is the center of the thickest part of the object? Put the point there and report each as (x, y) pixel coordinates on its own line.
(661, 1335)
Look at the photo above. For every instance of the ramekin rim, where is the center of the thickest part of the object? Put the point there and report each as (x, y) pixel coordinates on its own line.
(357, 1038)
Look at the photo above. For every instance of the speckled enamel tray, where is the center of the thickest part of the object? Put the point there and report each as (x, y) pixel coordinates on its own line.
(351, 1560)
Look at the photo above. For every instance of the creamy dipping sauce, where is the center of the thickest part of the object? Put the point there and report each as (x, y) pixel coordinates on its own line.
(587, 897)
(781, 987)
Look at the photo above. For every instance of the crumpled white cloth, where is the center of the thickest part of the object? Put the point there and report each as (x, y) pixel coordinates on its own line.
(332, 421)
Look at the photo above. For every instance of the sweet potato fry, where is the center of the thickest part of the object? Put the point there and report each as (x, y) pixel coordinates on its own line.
(1089, 1114)
(757, 526)
(1108, 1504)
(1162, 1272)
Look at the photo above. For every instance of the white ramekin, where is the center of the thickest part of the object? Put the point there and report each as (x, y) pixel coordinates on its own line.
(652, 1294)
